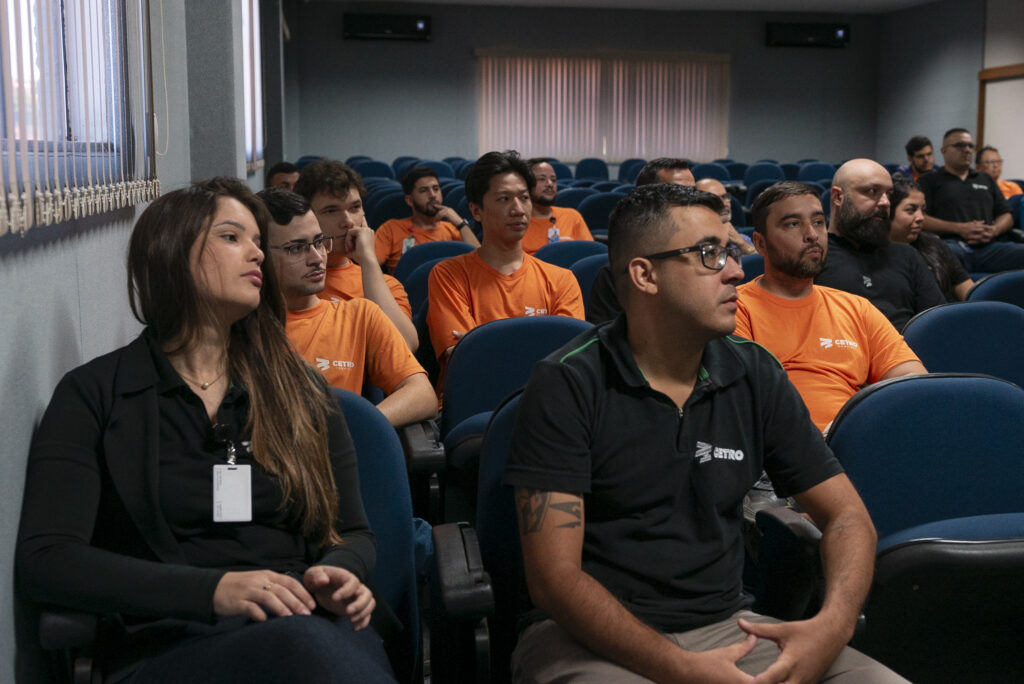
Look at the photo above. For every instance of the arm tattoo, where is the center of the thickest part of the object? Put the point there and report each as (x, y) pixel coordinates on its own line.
(532, 505)
(570, 508)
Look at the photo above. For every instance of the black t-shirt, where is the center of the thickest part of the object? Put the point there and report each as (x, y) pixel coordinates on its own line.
(976, 198)
(663, 489)
(894, 278)
(941, 261)
(604, 302)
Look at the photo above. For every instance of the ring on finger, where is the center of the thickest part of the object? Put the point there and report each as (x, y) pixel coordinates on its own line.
(266, 587)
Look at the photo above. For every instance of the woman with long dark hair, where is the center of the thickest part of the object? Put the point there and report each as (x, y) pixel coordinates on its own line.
(198, 487)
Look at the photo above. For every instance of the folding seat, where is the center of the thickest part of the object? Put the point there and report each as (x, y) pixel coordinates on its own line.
(1007, 286)
(562, 171)
(586, 270)
(606, 186)
(723, 161)
(370, 167)
(737, 170)
(385, 207)
(427, 251)
(790, 171)
(592, 168)
(757, 187)
(403, 164)
(629, 169)
(454, 160)
(816, 171)
(623, 189)
(753, 266)
(350, 161)
(568, 252)
(969, 337)
(571, 197)
(443, 169)
(763, 171)
(716, 171)
(595, 210)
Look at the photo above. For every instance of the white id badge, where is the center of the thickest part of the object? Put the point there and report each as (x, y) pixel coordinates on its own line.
(232, 493)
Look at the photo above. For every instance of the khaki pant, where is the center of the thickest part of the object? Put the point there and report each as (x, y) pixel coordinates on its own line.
(546, 653)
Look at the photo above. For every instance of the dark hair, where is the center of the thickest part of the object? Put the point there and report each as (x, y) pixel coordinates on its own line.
(640, 223)
(775, 193)
(983, 150)
(901, 189)
(414, 174)
(951, 131)
(649, 174)
(283, 205)
(279, 167)
(916, 143)
(164, 296)
(533, 161)
(332, 177)
(492, 164)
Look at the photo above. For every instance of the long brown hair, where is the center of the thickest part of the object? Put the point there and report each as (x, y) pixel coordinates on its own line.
(288, 403)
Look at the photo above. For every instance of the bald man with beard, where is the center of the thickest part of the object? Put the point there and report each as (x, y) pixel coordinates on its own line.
(861, 259)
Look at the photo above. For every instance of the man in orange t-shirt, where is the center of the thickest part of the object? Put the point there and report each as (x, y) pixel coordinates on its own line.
(498, 280)
(830, 342)
(352, 341)
(335, 193)
(549, 223)
(431, 221)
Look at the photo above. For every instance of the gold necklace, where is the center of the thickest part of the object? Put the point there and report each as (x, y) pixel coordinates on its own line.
(204, 385)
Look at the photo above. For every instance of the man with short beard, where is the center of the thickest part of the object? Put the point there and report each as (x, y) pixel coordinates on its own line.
(830, 342)
(549, 223)
(861, 260)
(431, 220)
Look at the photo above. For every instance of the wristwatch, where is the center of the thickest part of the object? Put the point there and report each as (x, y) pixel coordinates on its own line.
(462, 225)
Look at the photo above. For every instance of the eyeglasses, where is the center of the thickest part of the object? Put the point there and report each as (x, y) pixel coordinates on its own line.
(712, 255)
(298, 249)
(962, 145)
(992, 161)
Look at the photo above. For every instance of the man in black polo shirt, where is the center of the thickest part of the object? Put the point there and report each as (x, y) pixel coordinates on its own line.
(966, 208)
(861, 259)
(634, 447)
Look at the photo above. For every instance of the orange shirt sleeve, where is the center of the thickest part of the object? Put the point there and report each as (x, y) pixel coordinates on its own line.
(569, 299)
(398, 292)
(575, 227)
(742, 315)
(450, 309)
(384, 243)
(388, 359)
(888, 349)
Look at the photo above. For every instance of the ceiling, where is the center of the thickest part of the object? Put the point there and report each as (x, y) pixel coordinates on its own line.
(816, 6)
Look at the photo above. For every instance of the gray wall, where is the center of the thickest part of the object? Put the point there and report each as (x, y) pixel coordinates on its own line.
(1004, 46)
(385, 98)
(929, 75)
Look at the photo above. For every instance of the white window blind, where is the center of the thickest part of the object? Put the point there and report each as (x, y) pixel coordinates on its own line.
(252, 85)
(610, 106)
(75, 97)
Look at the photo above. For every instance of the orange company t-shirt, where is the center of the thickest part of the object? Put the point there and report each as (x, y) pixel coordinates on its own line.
(465, 292)
(349, 341)
(831, 342)
(568, 224)
(395, 237)
(346, 282)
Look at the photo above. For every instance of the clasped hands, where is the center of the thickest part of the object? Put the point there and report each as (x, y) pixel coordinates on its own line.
(256, 593)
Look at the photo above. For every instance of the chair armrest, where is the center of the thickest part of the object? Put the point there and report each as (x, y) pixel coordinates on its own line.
(423, 450)
(461, 585)
(63, 628)
(790, 583)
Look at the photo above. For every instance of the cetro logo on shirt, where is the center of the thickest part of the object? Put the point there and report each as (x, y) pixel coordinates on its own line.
(323, 365)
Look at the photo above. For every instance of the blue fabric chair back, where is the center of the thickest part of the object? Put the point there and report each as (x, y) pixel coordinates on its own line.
(757, 187)
(1007, 286)
(443, 169)
(969, 337)
(593, 168)
(387, 206)
(816, 171)
(454, 160)
(791, 171)
(495, 359)
(716, 171)
(463, 170)
(739, 217)
(571, 197)
(763, 171)
(371, 167)
(1014, 203)
(384, 484)
(933, 447)
(753, 266)
(630, 169)
(596, 209)
(606, 186)
(427, 251)
(738, 170)
(453, 194)
(402, 164)
(417, 282)
(568, 252)
(826, 201)
(586, 270)
(306, 160)
(561, 170)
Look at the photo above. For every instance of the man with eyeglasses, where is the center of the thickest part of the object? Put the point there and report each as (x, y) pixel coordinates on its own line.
(988, 160)
(966, 208)
(349, 342)
(861, 258)
(830, 342)
(634, 447)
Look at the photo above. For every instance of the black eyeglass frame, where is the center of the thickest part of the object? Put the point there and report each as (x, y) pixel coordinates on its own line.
(297, 250)
(720, 253)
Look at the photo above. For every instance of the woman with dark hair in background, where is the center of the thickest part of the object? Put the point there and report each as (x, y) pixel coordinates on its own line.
(198, 487)
(907, 216)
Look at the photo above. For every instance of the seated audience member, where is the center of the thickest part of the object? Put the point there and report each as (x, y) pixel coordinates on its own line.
(136, 508)
(634, 447)
(431, 221)
(549, 223)
(335, 192)
(967, 210)
(498, 280)
(282, 175)
(666, 170)
(715, 187)
(350, 342)
(907, 217)
(861, 259)
(920, 158)
(830, 342)
(988, 160)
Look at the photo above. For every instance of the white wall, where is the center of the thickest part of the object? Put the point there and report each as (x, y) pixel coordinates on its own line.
(1004, 104)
